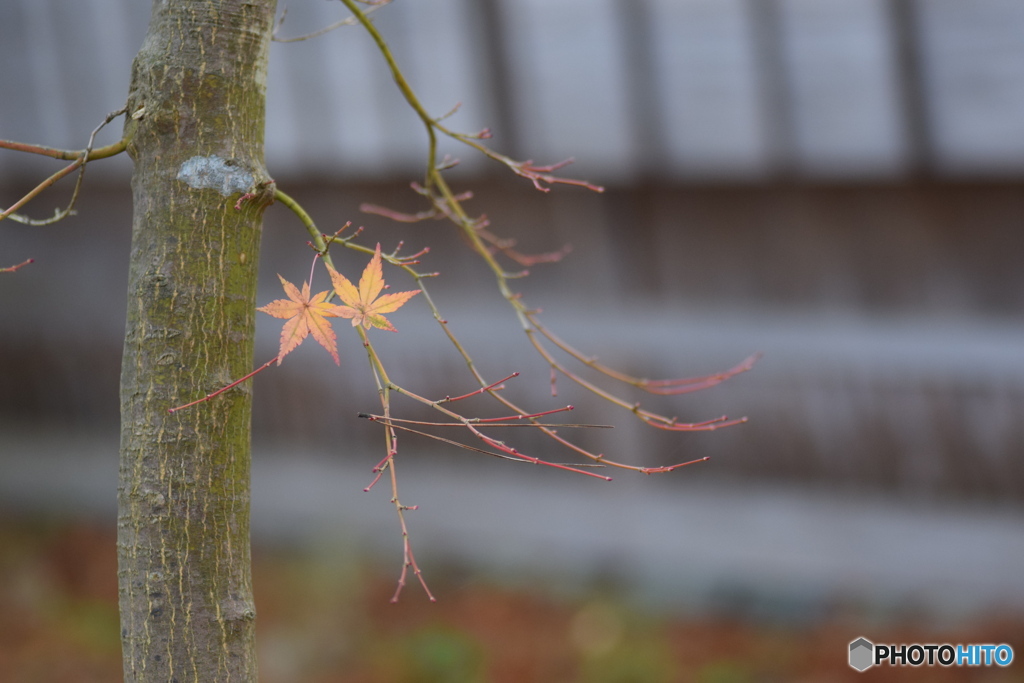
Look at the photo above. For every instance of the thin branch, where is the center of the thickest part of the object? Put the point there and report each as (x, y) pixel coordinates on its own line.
(307, 221)
(446, 203)
(491, 422)
(11, 269)
(349, 21)
(391, 443)
(468, 423)
(80, 161)
(67, 155)
(540, 176)
(662, 387)
(225, 388)
(447, 441)
(493, 386)
(9, 213)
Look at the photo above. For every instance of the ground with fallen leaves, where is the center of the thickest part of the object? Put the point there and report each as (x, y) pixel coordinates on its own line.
(326, 620)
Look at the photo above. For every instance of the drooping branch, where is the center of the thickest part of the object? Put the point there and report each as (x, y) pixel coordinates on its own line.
(446, 203)
(540, 176)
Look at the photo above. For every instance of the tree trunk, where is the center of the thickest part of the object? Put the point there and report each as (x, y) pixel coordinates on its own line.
(196, 120)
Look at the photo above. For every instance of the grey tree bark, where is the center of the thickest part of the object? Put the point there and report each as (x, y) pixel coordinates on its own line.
(195, 124)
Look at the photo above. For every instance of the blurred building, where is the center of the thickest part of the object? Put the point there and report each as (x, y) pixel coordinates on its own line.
(836, 183)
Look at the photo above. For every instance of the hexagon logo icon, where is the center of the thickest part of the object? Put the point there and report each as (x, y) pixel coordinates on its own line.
(862, 654)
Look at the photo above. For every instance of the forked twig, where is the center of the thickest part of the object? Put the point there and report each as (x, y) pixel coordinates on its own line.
(446, 203)
(81, 158)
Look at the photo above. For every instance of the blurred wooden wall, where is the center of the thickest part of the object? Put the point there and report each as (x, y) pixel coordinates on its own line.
(675, 89)
(837, 183)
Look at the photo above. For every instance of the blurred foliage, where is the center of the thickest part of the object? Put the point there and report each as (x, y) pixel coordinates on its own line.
(325, 618)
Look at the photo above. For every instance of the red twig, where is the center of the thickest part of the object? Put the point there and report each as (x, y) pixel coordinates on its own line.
(490, 387)
(669, 468)
(661, 387)
(11, 269)
(409, 561)
(223, 389)
(543, 174)
(393, 420)
(519, 416)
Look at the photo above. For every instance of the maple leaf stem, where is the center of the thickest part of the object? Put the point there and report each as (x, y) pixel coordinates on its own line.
(312, 267)
(225, 388)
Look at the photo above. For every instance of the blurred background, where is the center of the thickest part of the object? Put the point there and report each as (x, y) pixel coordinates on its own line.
(838, 184)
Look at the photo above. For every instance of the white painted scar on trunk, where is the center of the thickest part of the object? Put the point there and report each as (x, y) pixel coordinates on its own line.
(216, 173)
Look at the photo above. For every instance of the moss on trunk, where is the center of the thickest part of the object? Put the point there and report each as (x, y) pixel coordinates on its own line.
(196, 111)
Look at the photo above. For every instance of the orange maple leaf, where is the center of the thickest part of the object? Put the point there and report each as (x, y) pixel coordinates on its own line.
(363, 305)
(305, 316)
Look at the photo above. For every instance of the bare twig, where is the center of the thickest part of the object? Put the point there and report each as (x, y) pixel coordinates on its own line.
(540, 176)
(220, 391)
(81, 158)
(348, 21)
(446, 203)
(11, 269)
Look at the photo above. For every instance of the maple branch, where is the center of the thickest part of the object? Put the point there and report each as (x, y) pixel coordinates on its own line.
(489, 422)
(662, 387)
(540, 176)
(361, 309)
(494, 386)
(81, 158)
(452, 442)
(453, 208)
(225, 388)
(11, 269)
(307, 221)
(385, 385)
(32, 194)
(390, 440)
(348, 21)
(67, 155)
(490, 388)
(447, 204)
